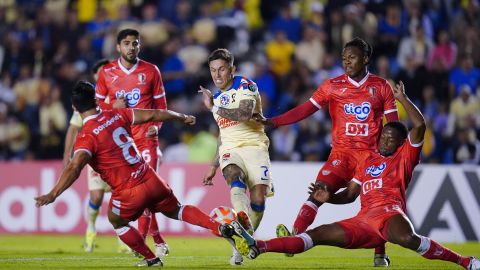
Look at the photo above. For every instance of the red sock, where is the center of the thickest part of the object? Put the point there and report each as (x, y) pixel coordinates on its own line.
(305, 217)
(380, 249)
(144, 223)
(289, 245)
(134, 240)
(195, 216)
(439, 252)
(154, 232)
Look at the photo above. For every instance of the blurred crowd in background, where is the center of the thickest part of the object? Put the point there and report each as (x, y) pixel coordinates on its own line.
(287, 47)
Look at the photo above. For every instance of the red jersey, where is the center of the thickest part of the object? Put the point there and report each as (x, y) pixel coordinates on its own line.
(106, 136)
(141, 86)
(356, 109)
(384, 180)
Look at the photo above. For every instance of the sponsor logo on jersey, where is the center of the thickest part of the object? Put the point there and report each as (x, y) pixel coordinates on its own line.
(132, 97)
(224, 100)
(114, 78)
(325, 172)
(361, 112)
(226, 156)
(376, 170)
(225, 123)
(336, 162)
(142, 78)
(108, 123)
(356, 129)
(370, 185)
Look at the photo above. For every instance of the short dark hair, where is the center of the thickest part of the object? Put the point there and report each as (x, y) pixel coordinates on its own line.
(100, 63)
(399, 127)
(362, 45)
(83, 96)
(127, 32)
(223, 54)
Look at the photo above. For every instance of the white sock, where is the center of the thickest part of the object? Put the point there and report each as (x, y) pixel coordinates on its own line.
(307, 241)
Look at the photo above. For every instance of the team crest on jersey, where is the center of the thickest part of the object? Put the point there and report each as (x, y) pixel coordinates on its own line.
(325, 172)
(376, 170)
(371, 90)
(142, 78)
(224, 100)
(132, 97)
(361, 112)
(336, 162)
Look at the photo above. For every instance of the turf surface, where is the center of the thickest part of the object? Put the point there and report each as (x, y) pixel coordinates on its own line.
(65, 252)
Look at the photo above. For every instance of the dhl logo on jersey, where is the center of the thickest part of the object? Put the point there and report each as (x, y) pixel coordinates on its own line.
(361, 112)
(370, 185)
(376, 170)
(132, 97)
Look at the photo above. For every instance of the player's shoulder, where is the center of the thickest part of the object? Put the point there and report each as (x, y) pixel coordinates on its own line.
(373, 78)
(109, 67)
(244, 83)
(340, 80)
(142, 64)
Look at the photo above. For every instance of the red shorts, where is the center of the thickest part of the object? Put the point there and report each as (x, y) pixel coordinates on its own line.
(340, 167)
(150, 152)
(153, 194)
(368, 229)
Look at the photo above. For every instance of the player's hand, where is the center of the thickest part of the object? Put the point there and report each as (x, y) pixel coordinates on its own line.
(207, 97)
(399, 90)
(262, 119)
(44, 199)
(208, 178)
(319, 192)
(119, 103)
(152, 131)
(189, 119)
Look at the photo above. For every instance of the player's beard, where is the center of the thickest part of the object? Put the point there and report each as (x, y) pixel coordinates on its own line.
(130, 59)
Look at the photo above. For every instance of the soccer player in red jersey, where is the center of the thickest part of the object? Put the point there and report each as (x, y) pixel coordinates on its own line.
(138, 84)
(357, 101)
(106, 144)
(381, 181)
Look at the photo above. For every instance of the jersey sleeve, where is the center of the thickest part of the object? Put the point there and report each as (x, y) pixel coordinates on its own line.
(85, 143)
(411, 153)
(128, 114)
(389, 104)
(246, 91)
(101, 90)
(159, 90)
(320, 97)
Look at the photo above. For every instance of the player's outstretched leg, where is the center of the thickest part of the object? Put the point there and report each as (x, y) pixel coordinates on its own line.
(400, 231)
(144, 223)
(161, 247)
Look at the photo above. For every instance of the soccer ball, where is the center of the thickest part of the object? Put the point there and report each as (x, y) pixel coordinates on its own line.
(223, 214)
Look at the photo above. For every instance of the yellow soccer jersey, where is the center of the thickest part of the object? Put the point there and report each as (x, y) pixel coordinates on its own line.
(239, 134)
(76, 119)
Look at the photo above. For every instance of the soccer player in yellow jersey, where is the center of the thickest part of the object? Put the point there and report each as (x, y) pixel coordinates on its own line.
(242, 151)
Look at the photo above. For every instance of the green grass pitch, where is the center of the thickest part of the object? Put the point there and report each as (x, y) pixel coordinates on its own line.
(64, 252)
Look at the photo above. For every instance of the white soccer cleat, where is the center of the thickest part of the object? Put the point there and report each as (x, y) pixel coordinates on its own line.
(156, 262)
(474, 264)
(236, 258)
(161, 250)
(381, 260)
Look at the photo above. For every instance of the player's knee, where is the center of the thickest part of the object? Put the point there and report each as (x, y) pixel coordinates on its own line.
(232, 172)
(407, 240)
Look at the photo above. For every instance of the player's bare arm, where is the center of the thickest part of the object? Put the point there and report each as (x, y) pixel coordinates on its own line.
(69, 175)
(320, 193)
(243, 113)
(208, 177)
(418, 131)
(72, 132)
(142, 116)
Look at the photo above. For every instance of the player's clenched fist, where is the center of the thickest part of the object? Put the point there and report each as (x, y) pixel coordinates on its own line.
(189, 119)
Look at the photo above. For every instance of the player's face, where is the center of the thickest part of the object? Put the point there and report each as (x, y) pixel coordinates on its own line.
(222, 73)
(129, 48)
(389, 141)
(354, 62)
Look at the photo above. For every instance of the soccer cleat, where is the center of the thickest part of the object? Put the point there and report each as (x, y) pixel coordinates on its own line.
(237, 236)
(89, 243)
(161, 250)
(237, 258)
(244, 220)
(474, 264)
(253, 252)
(381, 260)
(148, 263)
(282, 231)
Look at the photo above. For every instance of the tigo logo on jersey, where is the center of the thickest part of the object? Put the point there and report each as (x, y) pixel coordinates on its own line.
(132, 97)
(376, 170)
(371, 185)
(361, 112)
(356, 129)
(224, 100)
